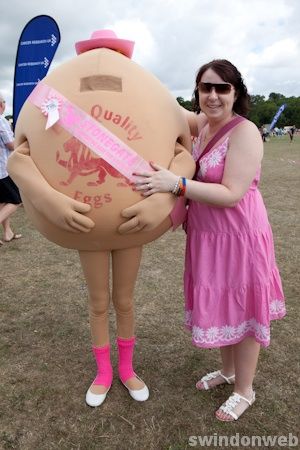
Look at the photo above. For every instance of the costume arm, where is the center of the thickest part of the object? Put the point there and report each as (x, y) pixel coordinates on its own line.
(196, 121)
(150, 212)
(59, 209)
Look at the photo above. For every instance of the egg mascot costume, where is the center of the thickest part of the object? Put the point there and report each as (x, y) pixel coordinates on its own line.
(80, 136)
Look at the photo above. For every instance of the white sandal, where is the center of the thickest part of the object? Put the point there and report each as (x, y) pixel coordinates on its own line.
(231, 403)
(212, 376)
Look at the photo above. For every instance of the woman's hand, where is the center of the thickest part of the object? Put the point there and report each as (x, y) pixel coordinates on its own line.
(162, 180)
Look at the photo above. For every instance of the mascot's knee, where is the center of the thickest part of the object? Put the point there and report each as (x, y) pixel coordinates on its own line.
(123, 304)
(98, 304)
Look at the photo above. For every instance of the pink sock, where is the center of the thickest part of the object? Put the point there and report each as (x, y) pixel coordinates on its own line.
(104, 372)
(125, 349)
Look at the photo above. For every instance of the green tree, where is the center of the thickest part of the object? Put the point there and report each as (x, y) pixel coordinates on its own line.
(187, 104)
(278, 99)
(257, 99)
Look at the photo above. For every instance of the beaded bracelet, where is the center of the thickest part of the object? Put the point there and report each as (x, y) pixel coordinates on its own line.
(180, 187)
(175, 189)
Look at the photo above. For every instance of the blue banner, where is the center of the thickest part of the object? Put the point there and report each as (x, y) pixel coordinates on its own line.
(276, 117)
(37, 46)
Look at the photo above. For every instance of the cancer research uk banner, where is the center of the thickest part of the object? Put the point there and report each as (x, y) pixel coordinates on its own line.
(37, 46)
(276, 117)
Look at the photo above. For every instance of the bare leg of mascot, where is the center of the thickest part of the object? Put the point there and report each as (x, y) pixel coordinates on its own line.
(125, 265)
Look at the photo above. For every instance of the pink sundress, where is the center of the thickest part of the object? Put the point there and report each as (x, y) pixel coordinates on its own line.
(232, 285)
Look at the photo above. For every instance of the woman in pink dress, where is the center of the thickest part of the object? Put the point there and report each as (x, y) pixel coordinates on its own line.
(231, 282)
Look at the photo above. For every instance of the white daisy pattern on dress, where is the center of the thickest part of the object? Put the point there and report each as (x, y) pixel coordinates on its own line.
(198, 334)
(212, 159)
(262, 332)
(215, 158)
(212, 333)
(227, 333)
(242, 328)
(277, 306)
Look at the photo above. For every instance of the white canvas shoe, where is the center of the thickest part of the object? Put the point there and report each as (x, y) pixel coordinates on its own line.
(95, 399)
(140, 395)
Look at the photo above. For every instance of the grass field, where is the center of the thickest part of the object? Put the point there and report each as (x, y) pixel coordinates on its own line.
(47, 365)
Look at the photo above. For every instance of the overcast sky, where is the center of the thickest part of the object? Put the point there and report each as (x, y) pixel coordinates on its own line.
(173, 37)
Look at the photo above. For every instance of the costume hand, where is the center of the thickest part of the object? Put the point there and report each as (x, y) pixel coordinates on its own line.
(65, 212)
(162, 180)
(147, 214)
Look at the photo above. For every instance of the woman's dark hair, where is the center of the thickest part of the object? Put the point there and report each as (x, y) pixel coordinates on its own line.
(229, 73)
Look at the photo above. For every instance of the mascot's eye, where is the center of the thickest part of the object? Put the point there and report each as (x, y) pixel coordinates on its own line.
(101, 83)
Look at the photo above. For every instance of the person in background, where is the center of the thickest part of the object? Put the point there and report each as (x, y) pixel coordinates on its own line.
(10, 198)
(232, 284)
(264, 134)
(292, 132)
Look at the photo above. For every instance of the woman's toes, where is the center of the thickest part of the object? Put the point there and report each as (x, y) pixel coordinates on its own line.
(223, 416)
(219, 414)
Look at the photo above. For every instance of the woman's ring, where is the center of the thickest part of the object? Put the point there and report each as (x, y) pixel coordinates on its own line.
(149, 185)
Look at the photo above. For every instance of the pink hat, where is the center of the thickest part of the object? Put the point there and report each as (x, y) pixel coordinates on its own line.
(106, 39)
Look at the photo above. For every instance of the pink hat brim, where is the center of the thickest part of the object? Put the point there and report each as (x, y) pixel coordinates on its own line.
(120, 45)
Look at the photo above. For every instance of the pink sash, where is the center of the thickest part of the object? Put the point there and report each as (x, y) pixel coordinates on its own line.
(87, 130)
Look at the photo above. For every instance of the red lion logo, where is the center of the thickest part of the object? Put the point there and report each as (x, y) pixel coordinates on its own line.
(83, 163)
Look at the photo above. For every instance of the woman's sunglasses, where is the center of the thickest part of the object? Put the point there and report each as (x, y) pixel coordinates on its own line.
(220, 88)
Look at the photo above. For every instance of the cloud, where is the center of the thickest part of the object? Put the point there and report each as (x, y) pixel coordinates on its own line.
(145, 49)
(279, 54)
